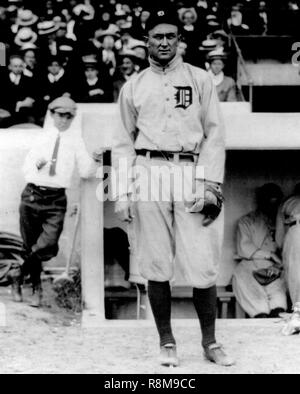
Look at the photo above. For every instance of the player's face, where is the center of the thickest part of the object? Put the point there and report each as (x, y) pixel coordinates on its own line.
(163, 42)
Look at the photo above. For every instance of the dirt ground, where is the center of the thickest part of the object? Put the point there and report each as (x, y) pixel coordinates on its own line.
(52, 341)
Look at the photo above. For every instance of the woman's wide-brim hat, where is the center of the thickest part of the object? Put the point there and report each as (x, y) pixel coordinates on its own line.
(26, 18)
(25, 36)
(100, 34)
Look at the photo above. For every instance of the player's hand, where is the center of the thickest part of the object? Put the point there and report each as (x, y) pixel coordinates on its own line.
(275, 259)
(213, 203)
(41, 163)
(123, 209)
(97, 155)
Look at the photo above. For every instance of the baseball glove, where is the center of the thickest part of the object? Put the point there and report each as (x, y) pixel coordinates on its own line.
(213, 203)
(210, 205)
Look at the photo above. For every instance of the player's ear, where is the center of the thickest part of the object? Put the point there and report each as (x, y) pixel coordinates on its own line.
(146, 40)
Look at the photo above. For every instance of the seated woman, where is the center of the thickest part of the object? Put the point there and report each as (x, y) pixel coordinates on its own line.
(257, 249)
(226, 86)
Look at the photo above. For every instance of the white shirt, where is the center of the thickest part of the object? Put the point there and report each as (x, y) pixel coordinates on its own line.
(175, 108)
(92, 82)
(14, 78)
(54, 78)
(71, 151)
(217, 79)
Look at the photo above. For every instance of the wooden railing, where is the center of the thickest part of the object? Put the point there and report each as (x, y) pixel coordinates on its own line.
(242, 68)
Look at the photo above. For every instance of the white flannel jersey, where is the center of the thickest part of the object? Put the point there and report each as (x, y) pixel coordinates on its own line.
(176, 109)
(72, 151)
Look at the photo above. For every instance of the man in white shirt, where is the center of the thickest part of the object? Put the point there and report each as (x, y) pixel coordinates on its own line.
(48, 171)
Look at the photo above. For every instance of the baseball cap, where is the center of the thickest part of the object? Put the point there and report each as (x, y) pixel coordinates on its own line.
(63, 105)
(162, 15)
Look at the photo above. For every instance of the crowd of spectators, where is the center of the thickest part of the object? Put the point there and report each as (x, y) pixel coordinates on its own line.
(87, 49)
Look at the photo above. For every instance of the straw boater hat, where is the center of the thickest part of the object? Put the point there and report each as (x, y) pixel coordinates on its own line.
(25, 36)
(90, 61)
(208, 45)
(47, 27)
(26, 18)
(219, 33)
(217, 54)
(130, 54)
(183, 11)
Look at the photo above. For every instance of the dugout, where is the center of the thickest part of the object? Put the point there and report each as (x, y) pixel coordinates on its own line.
(261, 147)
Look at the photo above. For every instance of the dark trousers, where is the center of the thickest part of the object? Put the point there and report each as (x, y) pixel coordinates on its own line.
(42, 213)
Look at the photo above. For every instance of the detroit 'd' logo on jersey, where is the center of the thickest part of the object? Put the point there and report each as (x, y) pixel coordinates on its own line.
(183, 96)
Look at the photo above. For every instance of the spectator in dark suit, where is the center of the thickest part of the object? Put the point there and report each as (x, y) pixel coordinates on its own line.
(127, 69)
(96, 86)
(18, 95)
(55, 83)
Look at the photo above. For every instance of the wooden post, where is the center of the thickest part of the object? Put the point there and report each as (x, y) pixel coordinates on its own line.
(92, 223)
(92, 259)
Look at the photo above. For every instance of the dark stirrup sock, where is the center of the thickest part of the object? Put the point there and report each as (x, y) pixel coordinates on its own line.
(160, 300)
(205, 302)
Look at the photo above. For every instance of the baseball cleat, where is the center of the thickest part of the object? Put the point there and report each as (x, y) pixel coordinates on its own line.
(168, 356)
(216, 354)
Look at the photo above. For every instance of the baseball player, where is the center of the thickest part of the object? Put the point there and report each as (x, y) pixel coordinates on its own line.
(170, 120)
(48, 170)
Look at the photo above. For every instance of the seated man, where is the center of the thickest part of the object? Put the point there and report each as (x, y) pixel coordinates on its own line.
(95, 86)
(48, 170)
(257, 249)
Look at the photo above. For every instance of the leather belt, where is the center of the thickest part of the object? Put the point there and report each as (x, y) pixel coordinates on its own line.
(294, 223)
(46, 188)
(167, 155)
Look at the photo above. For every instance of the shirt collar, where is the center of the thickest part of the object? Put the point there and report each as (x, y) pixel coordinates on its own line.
(92, 82)
(15, 78)
(158, 68)
(217, 79)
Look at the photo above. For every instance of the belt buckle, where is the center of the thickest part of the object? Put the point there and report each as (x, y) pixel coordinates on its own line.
(176, 157)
